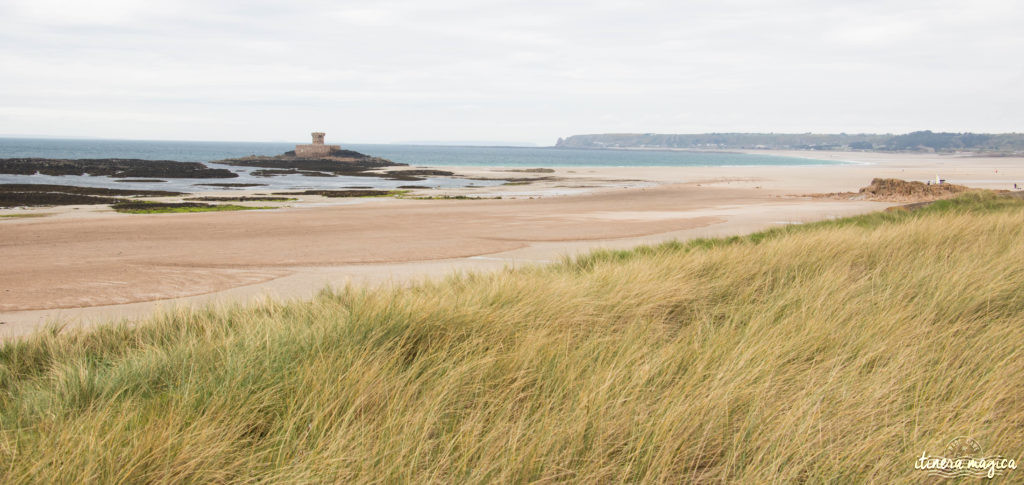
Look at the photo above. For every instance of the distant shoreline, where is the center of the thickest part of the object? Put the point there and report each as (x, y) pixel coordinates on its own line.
(915, 142)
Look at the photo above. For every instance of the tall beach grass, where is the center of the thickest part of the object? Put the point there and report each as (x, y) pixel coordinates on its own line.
(831, 352)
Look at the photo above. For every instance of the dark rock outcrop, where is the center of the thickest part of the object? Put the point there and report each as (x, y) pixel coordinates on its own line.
(38, 199)
(33, 195)
(340, 166)
(72, 189)
(339, 193)
(338, 162)
(113, 167)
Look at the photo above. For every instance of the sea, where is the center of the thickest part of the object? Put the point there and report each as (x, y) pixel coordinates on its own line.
(414, 155)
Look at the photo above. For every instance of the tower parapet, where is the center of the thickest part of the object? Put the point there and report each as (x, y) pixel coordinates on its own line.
(317, 149)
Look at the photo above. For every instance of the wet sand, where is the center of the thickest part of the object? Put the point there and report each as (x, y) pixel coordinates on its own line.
(83, 265)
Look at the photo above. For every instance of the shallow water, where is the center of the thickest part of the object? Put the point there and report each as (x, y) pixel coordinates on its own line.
(416, 155)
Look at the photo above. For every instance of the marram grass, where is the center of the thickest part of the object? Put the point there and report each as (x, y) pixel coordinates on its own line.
(834, 352)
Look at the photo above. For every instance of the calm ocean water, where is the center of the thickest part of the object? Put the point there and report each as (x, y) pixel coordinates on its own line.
(188, 151)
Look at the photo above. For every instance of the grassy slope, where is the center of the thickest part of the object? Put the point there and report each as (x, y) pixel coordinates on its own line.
(829, 352)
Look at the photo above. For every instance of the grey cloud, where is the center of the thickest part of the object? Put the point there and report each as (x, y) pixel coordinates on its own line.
(528, 71)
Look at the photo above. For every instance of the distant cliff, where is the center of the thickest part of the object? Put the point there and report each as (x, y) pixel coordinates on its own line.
(916, 141)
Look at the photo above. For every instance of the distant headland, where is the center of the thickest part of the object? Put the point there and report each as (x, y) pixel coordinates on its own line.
(918, 141)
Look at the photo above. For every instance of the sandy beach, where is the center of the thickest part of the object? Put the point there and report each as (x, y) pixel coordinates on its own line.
(81, 265)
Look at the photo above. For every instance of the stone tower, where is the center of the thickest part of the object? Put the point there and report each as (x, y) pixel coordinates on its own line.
(317, 149)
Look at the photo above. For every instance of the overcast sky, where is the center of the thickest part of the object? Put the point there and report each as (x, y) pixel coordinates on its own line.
(516, 71)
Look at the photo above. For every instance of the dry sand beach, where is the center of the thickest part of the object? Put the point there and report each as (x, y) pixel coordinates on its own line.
(81, 265)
